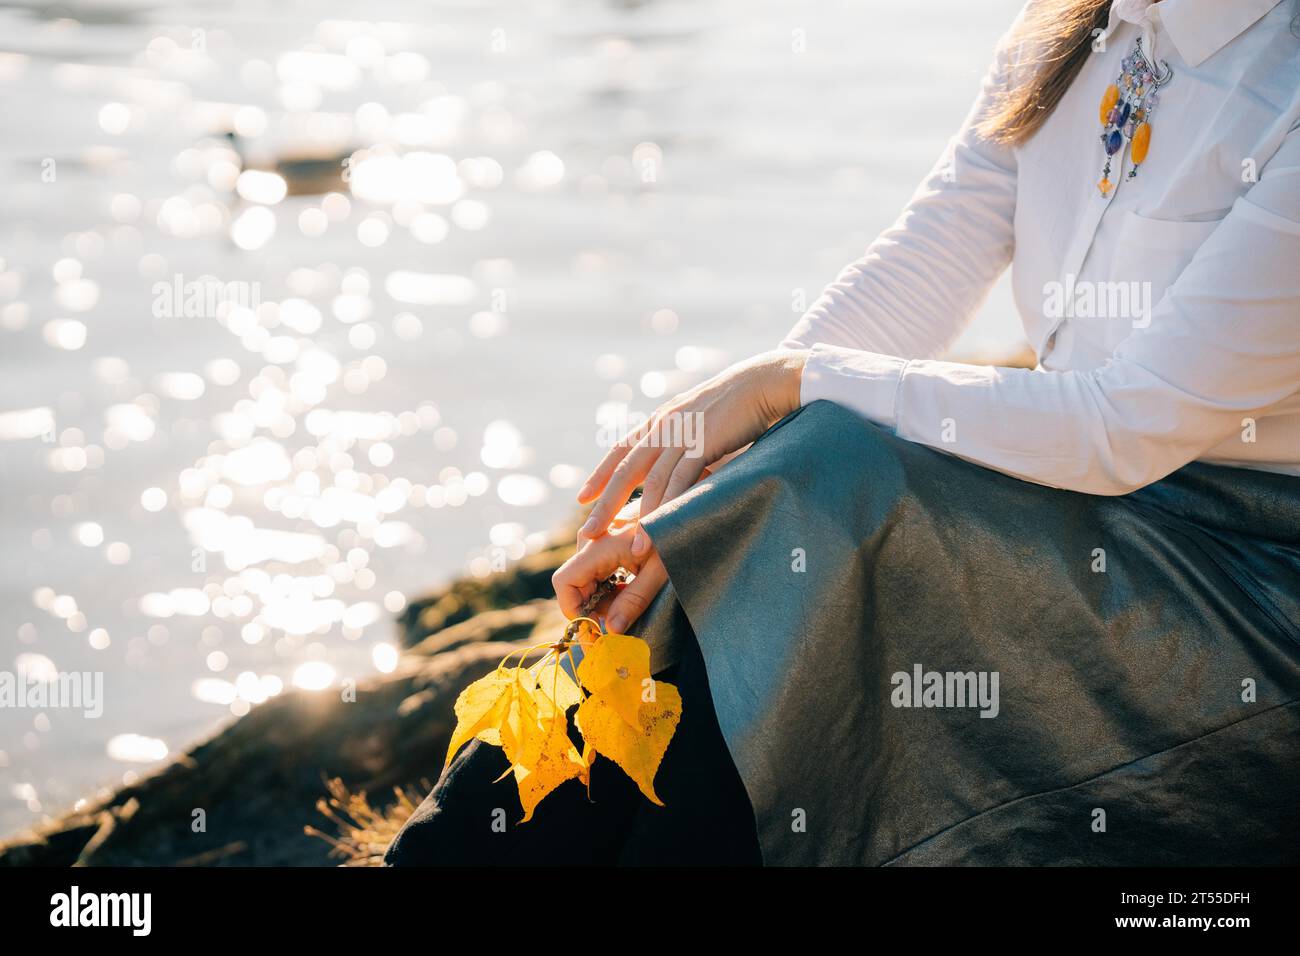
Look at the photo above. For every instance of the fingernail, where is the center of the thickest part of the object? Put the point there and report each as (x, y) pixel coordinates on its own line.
(589, 527)
(638, 541)
(616, 623)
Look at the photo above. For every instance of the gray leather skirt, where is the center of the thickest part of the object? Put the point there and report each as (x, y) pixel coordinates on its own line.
(916, 660)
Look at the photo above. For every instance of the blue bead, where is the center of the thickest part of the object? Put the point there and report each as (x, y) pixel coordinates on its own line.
(1113, 142)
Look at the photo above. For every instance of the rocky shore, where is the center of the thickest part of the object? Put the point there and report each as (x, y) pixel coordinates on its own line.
(256, 784)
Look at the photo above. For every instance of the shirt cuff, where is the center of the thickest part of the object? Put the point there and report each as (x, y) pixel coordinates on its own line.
(865, 382)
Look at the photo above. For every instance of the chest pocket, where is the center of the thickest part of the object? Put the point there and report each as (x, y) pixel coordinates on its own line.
(1156, 251)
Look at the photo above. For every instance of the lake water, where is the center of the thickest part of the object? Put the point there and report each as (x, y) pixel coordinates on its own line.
(214, 490)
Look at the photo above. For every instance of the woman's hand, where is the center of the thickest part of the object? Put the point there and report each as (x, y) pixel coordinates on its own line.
(689, 433)
(669, 453)
(578, 577)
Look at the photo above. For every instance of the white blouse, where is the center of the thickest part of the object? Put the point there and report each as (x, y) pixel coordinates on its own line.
(1165, 313)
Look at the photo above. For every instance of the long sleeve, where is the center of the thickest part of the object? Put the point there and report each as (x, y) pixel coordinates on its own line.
(1222, 344)
(920, 283)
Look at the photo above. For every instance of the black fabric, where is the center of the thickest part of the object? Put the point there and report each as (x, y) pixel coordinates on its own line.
(706, 818)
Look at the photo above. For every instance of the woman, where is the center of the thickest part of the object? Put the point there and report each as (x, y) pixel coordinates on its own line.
(949, 613)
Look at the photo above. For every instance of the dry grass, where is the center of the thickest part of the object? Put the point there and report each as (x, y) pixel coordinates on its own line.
(364, 831)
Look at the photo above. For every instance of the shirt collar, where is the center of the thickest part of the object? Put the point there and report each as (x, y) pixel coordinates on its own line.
(1198, 28)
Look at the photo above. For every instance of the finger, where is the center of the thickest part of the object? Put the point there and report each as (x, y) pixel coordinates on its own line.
(576, 579)
(626, 516)
(599, 476)
(657, 480)
(632, 600)
(596, 481)
(686, 473)
(629, 473)
(652, 495)
(584, 592)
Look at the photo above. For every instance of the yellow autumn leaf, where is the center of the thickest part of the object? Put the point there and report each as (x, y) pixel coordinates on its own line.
(617, 668)
(555, 684)
(534, 736)
(628, 716)
(481, 708)
(521, 730)
(550, 762)
(639, 748)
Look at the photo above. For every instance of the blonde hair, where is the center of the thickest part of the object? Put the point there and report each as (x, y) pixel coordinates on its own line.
(1060, 34)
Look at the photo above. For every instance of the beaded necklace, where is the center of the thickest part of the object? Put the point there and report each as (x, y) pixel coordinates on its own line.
(1126, 109)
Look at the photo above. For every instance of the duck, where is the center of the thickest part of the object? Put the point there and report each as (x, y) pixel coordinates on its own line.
(304, 174)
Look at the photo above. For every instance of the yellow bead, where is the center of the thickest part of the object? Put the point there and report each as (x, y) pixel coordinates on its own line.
(1141, 143)
(1108, 101)
(1104, 186)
